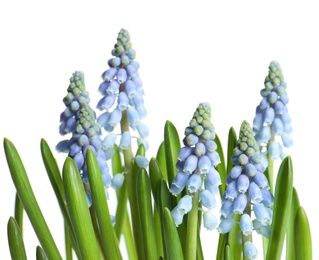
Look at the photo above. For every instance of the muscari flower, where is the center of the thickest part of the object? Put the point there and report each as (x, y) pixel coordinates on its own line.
(247, 190)
(79, 119)
(272, 118)
(123, 93)
(196, 167)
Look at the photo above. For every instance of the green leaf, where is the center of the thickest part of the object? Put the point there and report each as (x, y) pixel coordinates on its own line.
(67, 242)
(158, 231)
(302, 236)
(55, 178)
(172, 147)
(232, 142)
(222, 240)
(282, 204)
(161, 158)
(228, 253)
(40, 255)
(18, 212)
(290, 247)
(144, 203)
(173, 248)
(163, 196)
(122, 224)
(54, 174)
(155, 176)
(131, 184)
(28, 200)
(121, 193)
(110, 246)
(221, 166)
(79, 211)
(16, 245)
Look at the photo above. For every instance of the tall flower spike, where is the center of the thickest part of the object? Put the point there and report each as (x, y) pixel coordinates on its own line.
(272, 118)
(79, 119)
(247, 190)
(123, 92)
(196, 162)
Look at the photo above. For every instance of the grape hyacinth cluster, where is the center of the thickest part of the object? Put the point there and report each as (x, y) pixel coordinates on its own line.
(247, 191)
(272, 118)
(79, 119)
(196, 168)
(123, 93)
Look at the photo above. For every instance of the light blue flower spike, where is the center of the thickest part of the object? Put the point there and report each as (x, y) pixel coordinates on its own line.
(122, 92)
(247, 186)
(197, 159)
(79, 120)
(276, 122)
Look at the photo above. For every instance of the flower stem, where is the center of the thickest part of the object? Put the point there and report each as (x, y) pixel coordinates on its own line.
(270, 171)
(271, 164)
(191, 233)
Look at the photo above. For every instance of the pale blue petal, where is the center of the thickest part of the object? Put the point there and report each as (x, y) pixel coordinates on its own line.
(194, 182)
(204, 164)
(208, 199)
(117, 180)
(226, 225)
(250, 250)
(190, 164)
(240, 204)
(125, 140)
(255, 193)
(210, 221)
(141, 161)
(246, 225)
(184, 152)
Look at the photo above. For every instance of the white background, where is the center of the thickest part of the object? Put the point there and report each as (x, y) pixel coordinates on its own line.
(211, 51)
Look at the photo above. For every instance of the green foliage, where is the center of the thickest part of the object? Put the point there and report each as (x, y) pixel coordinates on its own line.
(282, 205)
